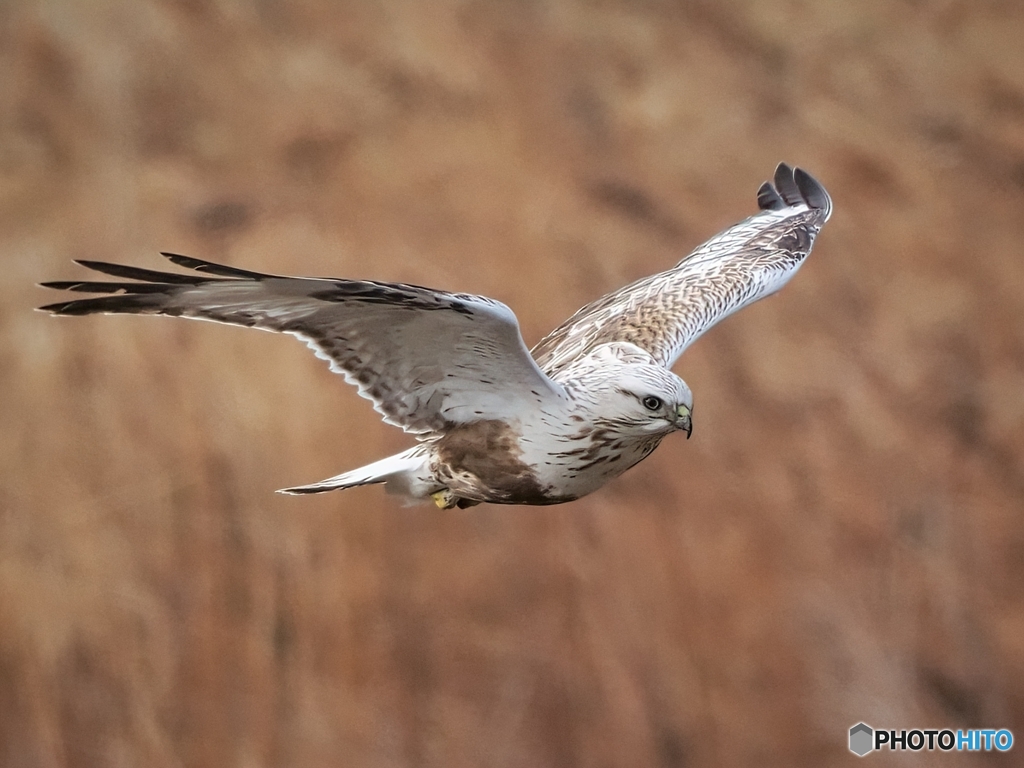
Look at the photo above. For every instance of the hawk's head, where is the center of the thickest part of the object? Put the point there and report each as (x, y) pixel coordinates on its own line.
(628, 392)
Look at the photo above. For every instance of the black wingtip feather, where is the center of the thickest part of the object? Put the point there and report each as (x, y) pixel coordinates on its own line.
(66, 308)
(55, 309)
(768, 199)
(793, 186)
(120, 304)
(209, 268)
(786, 186)
(813, 193)
(144, 296)
(138, 273)
(90, 286)
(302, 491)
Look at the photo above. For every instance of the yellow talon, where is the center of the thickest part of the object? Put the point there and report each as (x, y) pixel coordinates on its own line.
(444, 499)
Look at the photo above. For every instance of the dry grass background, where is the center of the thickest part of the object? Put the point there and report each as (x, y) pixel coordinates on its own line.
(843, 539)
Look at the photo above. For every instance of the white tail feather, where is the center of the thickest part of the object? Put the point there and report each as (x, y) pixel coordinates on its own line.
(402, 474)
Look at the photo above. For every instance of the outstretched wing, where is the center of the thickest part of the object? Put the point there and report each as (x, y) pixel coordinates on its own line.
(667, 312)
(426, 359)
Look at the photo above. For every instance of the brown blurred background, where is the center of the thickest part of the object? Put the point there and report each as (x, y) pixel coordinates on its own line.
(842, 540)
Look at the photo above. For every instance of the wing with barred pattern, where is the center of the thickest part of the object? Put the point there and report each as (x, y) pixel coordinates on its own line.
(666, 312)
(427, 359)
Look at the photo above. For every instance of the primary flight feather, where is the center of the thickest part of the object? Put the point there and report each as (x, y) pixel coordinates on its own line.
(494, 421)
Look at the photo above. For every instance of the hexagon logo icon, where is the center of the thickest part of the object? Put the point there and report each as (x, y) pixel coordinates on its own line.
(861, 738)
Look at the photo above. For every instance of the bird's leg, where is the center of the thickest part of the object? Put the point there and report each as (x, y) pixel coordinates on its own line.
(445, 498)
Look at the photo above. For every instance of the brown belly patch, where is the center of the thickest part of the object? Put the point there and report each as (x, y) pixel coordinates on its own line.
(489, 451)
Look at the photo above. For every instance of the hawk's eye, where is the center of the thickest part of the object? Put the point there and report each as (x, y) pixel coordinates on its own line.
(651, 403)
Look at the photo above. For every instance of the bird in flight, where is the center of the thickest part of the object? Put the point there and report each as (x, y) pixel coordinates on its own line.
(494, 421)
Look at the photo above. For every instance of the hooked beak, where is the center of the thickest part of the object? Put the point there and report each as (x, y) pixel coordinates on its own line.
(684, 420)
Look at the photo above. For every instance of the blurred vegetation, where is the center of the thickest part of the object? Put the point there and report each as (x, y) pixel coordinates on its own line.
(842, 540)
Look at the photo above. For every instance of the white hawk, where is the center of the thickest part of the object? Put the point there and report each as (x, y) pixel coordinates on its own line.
(494, 421)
